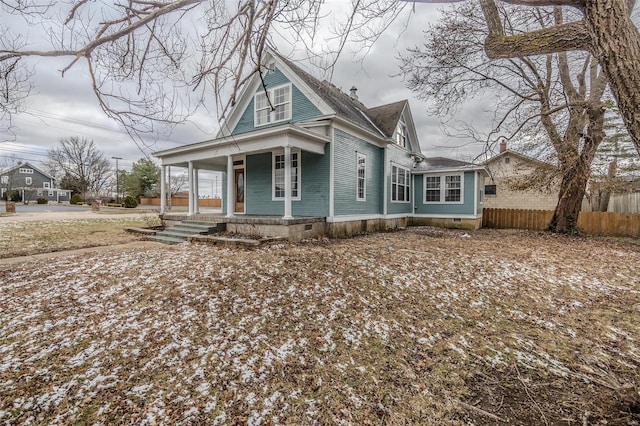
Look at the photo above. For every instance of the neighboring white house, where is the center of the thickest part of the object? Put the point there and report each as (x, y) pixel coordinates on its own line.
(508, 169)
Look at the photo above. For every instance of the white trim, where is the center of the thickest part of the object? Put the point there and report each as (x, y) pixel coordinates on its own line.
(280, 151)
(250, 88)
(263, 140)
(364, 134)
(360, 155)
(270, 93)
(46, 185)
(332, 175)
(448, 216)
(230, 199)
(28, 181)
(451, 170)
(386, 180)
(408, 184)
(443, 188)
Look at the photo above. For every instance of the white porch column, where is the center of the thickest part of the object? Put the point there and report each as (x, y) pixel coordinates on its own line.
(190, 178)
(196, 192)
(163, 189)
(287, 183)
(230, 194)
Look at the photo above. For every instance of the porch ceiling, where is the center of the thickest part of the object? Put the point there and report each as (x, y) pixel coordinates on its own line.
(212, 155)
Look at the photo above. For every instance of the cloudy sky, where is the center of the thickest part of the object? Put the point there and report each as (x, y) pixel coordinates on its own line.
(60, 107)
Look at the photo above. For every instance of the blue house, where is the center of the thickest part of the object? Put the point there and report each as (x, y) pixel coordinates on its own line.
(298, 151)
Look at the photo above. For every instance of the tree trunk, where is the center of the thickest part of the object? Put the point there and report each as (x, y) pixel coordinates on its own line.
(615, 42)
(572, 188)
(605, 196)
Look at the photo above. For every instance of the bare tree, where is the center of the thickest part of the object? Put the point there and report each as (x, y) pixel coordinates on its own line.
(604, 28)
(82, 164)
(552, 101)
(155, 62)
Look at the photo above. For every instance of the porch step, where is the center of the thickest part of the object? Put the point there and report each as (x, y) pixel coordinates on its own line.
(182, 231)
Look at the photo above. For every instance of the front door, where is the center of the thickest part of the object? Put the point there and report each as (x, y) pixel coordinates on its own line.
(239, 192)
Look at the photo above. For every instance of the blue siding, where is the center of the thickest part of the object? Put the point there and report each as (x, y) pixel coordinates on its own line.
(302, 108)
(314, 179)
(346, 148)
(397, 156)
(467, 208)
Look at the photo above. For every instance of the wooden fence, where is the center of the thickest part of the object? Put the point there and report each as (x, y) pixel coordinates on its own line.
(592, 223)
(182, 202)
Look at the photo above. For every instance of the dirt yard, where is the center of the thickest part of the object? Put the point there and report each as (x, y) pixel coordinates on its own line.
(423, 326)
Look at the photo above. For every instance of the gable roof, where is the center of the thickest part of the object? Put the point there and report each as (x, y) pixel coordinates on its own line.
(442, 164)
(519, 155)
(343, 104)
(23, 165)
(387, 116)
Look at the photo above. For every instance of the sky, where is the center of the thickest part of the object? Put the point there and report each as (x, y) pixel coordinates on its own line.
(61, 107)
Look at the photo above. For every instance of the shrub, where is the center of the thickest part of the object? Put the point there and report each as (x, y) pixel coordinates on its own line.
(42, 200)
(130, 202)
(15, 196)
(76, 199)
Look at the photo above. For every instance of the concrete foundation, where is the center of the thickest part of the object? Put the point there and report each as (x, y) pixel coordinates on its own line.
(470, 224)
(345, 229)
(310, 227)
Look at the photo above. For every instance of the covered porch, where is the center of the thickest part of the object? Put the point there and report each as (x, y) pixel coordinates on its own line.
(228, 155)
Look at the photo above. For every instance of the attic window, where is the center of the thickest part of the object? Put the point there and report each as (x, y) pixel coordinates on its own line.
(507, 160)
(26, 171)
(401, 134)
(280, 98)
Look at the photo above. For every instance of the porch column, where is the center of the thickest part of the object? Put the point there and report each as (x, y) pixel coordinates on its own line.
(230, 179)
(190, 178)
(196, 192)
(163, 189)
(287, 183)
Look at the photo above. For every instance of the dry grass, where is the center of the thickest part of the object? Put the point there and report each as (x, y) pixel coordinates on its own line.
(423, 326)
(34, 237)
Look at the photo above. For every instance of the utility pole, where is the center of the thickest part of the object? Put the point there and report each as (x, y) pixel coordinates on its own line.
(117, 179)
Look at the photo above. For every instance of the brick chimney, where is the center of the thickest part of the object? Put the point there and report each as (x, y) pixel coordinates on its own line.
(503, 146)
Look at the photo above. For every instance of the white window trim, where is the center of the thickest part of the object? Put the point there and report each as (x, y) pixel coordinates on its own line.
(358, 157)
(28, 180)
(481, 196)
(4, 179)
(46, 185)
(443, 190)
(26, 171)
(401, 135)
(271, 97)
(407, 183)
(273, 174)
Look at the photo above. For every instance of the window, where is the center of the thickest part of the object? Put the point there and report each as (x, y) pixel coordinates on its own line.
(481, 196)
(280, 100)
(50, 193)
(27, 180)
(46, 185)
(278, 176)
(361, 176)
(432, 189)
(490, 189)
(443, 189)
(26, 171)
(400, 179)
(453, 189)
(401, 134)
(507, 160)
(39, 192)
(4, 179)
(62, 193)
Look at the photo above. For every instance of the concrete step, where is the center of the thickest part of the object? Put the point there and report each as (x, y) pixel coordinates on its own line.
(179, 233)
(199, 222)
(166, 239)
(195, 229)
